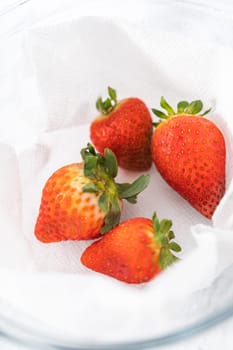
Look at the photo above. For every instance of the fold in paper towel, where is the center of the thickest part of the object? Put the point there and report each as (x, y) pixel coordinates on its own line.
(71, 68)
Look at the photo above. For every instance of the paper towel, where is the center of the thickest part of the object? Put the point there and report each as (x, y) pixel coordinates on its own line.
(69, 65)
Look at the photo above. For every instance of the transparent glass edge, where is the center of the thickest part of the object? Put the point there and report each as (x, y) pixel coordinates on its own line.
(171, 338)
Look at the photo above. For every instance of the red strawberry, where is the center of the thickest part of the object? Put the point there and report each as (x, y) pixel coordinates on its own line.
(126, 128)
(189, 152)
(134, 251)
(82, 200)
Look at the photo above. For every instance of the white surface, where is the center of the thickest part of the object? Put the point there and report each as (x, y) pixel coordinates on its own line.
(56, 114)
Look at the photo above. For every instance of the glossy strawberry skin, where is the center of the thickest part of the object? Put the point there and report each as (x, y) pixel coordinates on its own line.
(66, 213)
(127, 131)
(128, 252)
(189, 152)
(82, 201)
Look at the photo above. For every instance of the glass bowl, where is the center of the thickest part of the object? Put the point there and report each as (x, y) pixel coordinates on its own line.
(211, 25)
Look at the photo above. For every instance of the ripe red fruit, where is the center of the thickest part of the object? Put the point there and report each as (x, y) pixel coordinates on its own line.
(81, 201)
(189, 152)
(126, 128)
(135, 251)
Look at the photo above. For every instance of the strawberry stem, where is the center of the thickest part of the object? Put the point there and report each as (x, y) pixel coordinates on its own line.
(164, 236)
(108, 105)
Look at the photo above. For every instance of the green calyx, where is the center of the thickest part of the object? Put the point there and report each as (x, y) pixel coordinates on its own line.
(108, 105)
(164, 238)
(194, 108)
(102, 170)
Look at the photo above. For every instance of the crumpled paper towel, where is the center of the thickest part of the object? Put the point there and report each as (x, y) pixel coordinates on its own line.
(65, 67)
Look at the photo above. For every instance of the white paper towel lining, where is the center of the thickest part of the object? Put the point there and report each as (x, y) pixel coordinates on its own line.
(67, 69)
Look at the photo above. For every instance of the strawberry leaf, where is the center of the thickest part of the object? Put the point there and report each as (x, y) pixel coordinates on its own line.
(112, 93)
(166, 258)
(100, 105)
(103, 202)
(165, 225)
(175, 247)
(181, 106)
(132, 190)
(163, 235)
(107, 106)
(106, 228)
(89, 150)
(102, 170)
(111, 166)
(166, 106)
(159, 113)
(132, 199)
(90, 166)
(171, 235)
(206, 112)
(122, 187)
(156, 224)
(113, 216)
(91, 187)
(194, 107)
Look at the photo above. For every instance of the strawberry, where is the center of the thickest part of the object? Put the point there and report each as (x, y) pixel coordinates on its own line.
(81, 201)
(189, 152)
(126, 128)
(134, 251)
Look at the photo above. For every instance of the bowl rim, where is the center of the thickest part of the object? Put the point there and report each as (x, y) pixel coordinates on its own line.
(19, 334)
